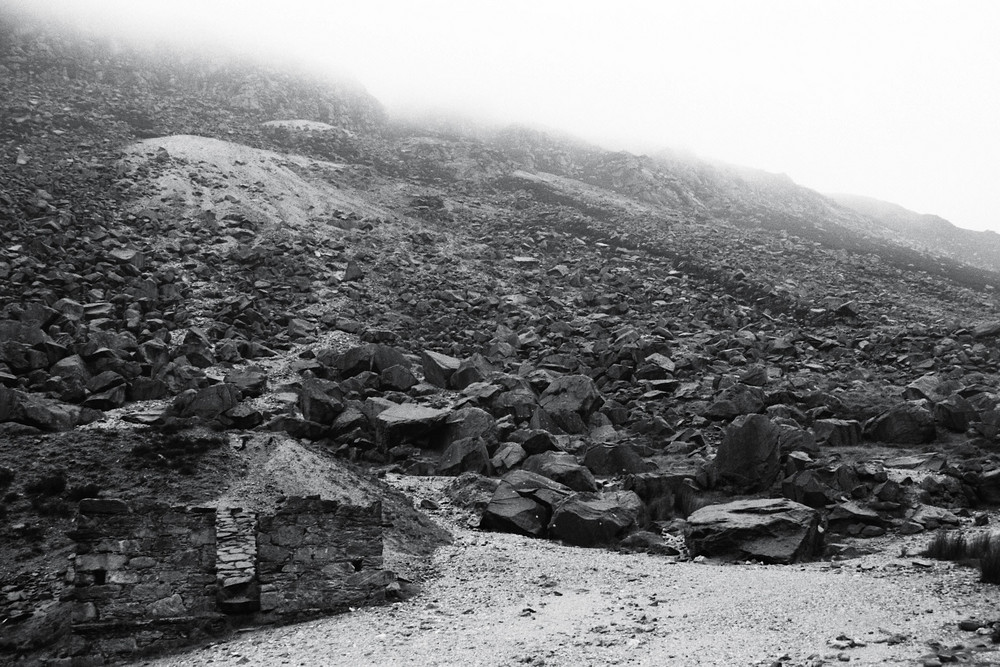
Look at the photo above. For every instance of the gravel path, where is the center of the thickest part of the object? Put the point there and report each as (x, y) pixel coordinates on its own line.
(503, 600)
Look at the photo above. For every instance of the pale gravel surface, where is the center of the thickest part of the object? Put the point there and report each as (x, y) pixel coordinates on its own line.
(505, 600)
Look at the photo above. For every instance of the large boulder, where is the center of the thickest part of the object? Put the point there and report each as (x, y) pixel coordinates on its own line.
(465, 455)
(749, 455)
(563, 468)
(320, 401)
(207, 403)
(772, 530)
(510, 512)
(438, 368)
(956, 413)
(522, 505)
(907, 424)
(665, 494)
(570, 400)
(408, 422)
(591, 519)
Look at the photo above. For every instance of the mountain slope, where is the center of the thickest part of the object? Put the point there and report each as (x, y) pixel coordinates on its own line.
(190, 246)
(981, 249)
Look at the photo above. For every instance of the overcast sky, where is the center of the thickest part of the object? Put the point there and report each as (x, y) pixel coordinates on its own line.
(894, 99)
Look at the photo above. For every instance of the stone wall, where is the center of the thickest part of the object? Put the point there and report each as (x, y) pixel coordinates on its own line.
(149, 577)
(319, 556)
(143, 577)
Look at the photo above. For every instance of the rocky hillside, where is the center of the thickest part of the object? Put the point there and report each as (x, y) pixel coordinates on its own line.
(930, 231)
(194, 247)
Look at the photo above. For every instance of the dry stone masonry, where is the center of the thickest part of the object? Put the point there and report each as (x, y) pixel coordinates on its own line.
(150, 577)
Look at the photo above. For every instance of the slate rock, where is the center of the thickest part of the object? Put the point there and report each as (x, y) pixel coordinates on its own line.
(320, 401)
(397, 378)
(666, 495)
(251, 382)
(207, 403)
(570, 400)
(772, 530)
(508, 455)
(563, 468)
(508, 511)
(538, 441)
(609, 460)
(906, 423)
(740, 399)
(465, 455)
(408, 422)
(808, 488)
(438, 368)
(748, 456)
(539, 488)
(477, 368)
(837, 432)
(956, 413)
(592, 519)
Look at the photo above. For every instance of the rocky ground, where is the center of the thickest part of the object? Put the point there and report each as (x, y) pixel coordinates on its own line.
(229, 284)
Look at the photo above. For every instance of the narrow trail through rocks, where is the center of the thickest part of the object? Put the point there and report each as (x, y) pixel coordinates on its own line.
(501, 599)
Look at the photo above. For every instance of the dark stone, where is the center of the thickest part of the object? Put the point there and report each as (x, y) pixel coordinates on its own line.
(320, 401)
(563, 468)
(509, 511)
(465, 455)
(407, 423)
(615, 459)
(207, 403)
(748, 457)
(907, 423)
(837, 432)
(770, 530)
(438, 368)
(666, 495)
(591, 519)
(538, 441)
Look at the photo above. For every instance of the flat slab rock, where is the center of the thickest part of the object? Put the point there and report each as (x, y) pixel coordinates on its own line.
(771, 530)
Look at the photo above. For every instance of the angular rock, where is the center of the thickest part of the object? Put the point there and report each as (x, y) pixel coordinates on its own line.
(609, 460)
(906, 423)
(748, 457)
(508, 511)
(808, 488)
(770, 530)
(837, 432)
(465, 455)
(538, 441)
(320, 401)
(956, 413)
(591, 519)
(508, 455)
(570, 400)
(477, 368)
(438, 368)
(666, 495)
(407, 422)
(397, 378)
(740, 399)
(207, 403)
(563, 468)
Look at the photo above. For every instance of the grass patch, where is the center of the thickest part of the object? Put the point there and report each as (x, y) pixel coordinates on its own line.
(983, 548)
